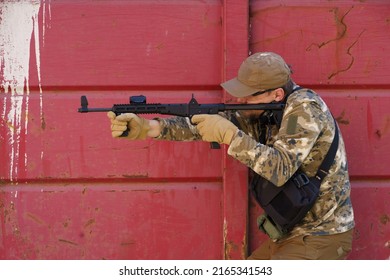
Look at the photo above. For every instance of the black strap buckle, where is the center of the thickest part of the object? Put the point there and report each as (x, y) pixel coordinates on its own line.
(300, 180)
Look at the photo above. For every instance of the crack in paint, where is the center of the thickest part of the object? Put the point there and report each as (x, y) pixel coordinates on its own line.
(340, 35)
(350, 54)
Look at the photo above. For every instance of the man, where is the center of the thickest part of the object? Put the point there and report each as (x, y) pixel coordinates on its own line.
(274, 146)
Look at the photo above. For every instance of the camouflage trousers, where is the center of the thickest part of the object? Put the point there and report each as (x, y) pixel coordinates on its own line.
(310, 247)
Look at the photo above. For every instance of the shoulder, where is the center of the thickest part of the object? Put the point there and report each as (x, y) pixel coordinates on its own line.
(308, 106)
(305, 115)
(304, 98)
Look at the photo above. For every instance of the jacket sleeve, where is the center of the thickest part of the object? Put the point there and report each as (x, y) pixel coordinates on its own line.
(177, 129)
(181, 128)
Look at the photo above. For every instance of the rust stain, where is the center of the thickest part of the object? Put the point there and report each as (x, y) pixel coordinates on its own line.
(341, 119)
(68, 242)
(208, 20)
(9, 124)
(160, 46)
(35, 218)
(43, 121)
(8, 211)
(385, 130)
(150, 191)
(226, 249)
(229, 247)
(128, 243)
(135, 176)
(6, 216)
(89, 223)
(384, 219)
(378, 133)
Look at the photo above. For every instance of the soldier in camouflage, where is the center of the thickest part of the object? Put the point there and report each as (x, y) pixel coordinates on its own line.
(274, 147)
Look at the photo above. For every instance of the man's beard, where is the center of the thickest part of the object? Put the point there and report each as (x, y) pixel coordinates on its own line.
(252, 115)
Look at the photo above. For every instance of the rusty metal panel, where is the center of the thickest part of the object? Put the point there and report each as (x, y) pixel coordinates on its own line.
(342, 51)
(70, 191)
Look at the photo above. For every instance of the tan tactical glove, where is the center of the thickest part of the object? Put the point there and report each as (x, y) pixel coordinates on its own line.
(215, 128)
(138, 127)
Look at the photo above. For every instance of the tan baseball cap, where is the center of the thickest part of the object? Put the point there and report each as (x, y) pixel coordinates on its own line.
(260, 71)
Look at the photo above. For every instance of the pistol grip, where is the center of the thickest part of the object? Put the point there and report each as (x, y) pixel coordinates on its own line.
(215, 145)
(125, 133)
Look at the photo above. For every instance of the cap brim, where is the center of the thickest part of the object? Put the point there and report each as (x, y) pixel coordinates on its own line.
(238, 89)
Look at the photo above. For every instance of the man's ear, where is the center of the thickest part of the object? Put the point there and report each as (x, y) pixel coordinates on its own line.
(279, 94)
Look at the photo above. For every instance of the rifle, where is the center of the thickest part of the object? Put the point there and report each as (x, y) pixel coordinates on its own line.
(138, 105)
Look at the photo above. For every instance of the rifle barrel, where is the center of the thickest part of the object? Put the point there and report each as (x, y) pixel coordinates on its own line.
(270, 106)
(89, 110)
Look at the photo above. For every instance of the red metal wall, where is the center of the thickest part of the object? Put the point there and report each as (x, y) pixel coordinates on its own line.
(70, 191)
(342, 50)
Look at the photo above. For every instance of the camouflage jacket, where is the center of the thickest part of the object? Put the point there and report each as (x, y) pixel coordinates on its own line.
(303, 139)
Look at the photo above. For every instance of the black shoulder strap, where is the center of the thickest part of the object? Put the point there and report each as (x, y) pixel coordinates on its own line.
(329, 158)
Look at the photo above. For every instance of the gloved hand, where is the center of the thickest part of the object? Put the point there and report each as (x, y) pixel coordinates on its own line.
(138, 126)
(215, 128)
